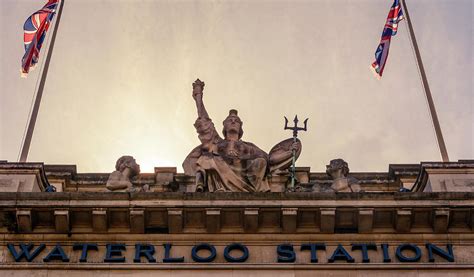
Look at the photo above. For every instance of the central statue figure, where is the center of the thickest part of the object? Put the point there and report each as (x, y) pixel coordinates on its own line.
(231, 164)
(228, 164)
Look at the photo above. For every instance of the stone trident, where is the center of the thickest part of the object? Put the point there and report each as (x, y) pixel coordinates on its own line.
(295, 129)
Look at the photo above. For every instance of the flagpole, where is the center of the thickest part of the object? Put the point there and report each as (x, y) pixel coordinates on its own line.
(34, 114)
(434, 116)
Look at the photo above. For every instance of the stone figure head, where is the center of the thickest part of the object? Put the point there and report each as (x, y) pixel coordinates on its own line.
(233, 124)
(125, 162)
(337, 168)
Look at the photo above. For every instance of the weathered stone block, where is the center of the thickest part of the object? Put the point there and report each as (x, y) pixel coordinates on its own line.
(99, 220)
(288, 219)
(302, 174)
(137, 221)
(441, 220)
(61, 221)
(251, 220)
(366, 219)
(164, 175)
(403, 220)
(175, 220)
(213, 220)
(23, 219)
(328, 220)
(471, 221)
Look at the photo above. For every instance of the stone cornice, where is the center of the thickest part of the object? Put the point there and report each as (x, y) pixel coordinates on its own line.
(202, 213)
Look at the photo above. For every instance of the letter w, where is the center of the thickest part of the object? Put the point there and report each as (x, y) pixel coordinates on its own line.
(25, 251)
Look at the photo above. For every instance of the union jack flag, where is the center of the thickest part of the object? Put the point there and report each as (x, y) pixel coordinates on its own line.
(395, 15)
(35, 28)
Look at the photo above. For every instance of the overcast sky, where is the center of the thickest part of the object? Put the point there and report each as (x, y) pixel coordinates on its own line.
(121, 73)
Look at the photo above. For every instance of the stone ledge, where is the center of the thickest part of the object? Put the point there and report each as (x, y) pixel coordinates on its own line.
(237, 196)
(259, 267)
(237, 213)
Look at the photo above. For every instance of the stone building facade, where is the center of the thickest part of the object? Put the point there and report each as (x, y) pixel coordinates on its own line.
(415, 220)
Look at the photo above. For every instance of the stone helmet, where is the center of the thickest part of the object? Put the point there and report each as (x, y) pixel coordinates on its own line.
(233, 114)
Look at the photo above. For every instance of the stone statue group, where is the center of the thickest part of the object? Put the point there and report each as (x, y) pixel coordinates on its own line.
(229, 164)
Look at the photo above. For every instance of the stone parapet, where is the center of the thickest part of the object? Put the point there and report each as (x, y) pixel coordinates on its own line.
(445, 177)
(22, 177)
(166, 179)
(427, 176)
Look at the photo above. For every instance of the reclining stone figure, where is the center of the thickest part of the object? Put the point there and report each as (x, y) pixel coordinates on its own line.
(119, 181)
(338, 169)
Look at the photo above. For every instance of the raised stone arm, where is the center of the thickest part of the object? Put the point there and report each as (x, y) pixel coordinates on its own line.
(204, 126)
(198, 87)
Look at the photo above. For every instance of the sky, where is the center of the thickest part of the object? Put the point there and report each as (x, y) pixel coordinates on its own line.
(121, 71)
